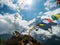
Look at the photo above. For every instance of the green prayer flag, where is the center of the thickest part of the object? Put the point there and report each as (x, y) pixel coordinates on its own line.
(54, 18)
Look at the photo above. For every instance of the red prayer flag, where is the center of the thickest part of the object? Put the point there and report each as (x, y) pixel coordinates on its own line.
(49, 20)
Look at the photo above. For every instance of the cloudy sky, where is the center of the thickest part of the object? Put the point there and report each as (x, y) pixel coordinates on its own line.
(31, 10)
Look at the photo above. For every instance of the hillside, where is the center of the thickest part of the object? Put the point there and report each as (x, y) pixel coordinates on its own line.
(22, 40)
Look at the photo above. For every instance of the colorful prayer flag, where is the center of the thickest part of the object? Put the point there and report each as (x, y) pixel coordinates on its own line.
(57, 16)
(41, 24)
(54, 18)
(47, 20)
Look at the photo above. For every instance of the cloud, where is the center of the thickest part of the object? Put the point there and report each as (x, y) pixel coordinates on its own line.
(40, 13)
(31, 21)
(7, 23)
(50, 4)
(9, 3)
(50, 13)
(14, 6)
(27, 8)
(43, 35)
(44, 17)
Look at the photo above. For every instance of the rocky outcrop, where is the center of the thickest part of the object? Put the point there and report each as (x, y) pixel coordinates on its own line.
(22, 40)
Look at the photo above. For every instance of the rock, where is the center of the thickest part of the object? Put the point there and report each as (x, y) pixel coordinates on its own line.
(22, 40)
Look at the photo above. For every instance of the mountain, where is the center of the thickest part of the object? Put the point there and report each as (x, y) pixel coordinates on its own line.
(19, 39)
(5, 36)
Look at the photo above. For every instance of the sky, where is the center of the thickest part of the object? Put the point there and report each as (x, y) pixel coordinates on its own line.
(31, 11)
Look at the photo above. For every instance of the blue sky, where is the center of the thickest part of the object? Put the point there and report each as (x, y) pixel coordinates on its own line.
(34, 12)
(29, 13)
(36, 8)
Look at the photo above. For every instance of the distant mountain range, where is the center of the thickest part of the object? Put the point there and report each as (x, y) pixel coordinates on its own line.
(5, 36)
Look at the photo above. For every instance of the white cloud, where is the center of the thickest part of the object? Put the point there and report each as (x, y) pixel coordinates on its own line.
(31, 21)
(40, 13)
(15, 6)
(42, 34)
(7, 23)
(44, 17)
(50, 13)
(45, 34)
(50, 4)
(27, 8)
(9, 3)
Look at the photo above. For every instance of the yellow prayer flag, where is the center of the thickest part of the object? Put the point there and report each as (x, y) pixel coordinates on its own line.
(41, 24)
(57, 16)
